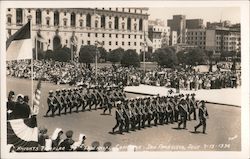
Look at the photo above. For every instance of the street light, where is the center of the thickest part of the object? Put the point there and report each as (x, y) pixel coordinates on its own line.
(96, 53)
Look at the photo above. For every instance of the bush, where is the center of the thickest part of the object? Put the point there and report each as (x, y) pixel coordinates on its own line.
(87, 54)
(166, 57)
(130, 58)
(115, 55)
(195, 57)
(62, 54)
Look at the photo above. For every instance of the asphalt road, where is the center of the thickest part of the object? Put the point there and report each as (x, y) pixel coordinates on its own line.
(223, 126)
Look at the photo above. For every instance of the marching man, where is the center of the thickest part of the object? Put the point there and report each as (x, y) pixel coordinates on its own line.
(203, 116)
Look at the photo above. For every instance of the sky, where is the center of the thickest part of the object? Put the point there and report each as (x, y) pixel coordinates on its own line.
(213, 14)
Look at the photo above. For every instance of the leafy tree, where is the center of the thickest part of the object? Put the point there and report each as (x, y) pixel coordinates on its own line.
(130, 58)
(166, 57)
(115, 55)
(195, 56)
(62, 54)
(87, 54)
(148, 56)
(181, 57)
(48, 54)
(102, 54)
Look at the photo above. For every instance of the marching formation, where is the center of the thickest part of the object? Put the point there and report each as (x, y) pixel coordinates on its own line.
(78, 99)
(132, 114)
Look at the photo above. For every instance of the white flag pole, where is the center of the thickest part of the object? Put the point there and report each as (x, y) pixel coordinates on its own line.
(32, 83)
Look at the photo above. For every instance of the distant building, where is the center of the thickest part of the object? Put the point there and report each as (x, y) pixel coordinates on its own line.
(178, 24)
(217, 40)
(215, 25)
(173, 38)
(113, 27)
(194, 24)
(158, 33)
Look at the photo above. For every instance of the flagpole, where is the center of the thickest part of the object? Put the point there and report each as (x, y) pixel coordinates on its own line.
(36, 47)
(144, 47)
(32, 82)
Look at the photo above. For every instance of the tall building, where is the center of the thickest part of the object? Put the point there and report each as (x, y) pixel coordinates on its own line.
(178, 24)
(194, 24)
(218, 40)
(113, 27)
(158, 33)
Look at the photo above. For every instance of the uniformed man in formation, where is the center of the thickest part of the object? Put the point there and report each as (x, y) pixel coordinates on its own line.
(77, 99)
(135, 114)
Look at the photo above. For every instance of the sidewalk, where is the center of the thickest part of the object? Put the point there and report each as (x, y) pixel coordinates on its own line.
(226, 96)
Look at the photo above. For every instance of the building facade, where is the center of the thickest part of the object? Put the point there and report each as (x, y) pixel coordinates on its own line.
(178, 24)
(194, 24)
(159, 34)
(112, 27)
(218, 40)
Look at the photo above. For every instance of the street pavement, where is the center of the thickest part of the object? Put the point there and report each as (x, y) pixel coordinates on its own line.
(223, 126)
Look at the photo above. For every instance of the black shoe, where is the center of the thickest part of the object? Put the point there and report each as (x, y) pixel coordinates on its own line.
(195, 128)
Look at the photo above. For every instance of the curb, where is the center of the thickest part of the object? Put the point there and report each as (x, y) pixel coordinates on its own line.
(230, 105)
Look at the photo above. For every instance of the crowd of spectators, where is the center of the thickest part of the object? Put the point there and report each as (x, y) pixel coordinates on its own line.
(84, 75)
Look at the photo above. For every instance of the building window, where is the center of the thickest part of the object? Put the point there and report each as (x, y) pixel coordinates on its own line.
(135, 10)
(110, 35)
(47, 22)
(109, 42)
(88, 42)
(47, 11)
(128, 43)
(103, 35)
(28, 10)
(38, 16)
(129, 36)
(116, 35)
(116, 23)
(96, 24)
(19, 16)
(122, 35)
(116, 43)
(88, 20)
(109, 8)
(96, 35)
(103, 21)
(140, 36)
(123, 43)
(135, 36)
(56, 18)
(88, 34)
(129, 10)
(9, 32)
(65, 22)
(123, 9)
(103, 42)
(9, 9)
(81, 23)
(9, 20)
(82, 42)
(110, 50)
(123, 26)
(65, 13)
(140, 25)
(66, 41)
(110, 25)
(135, 43)
(116, 9)
(129, 24)
(73, 19)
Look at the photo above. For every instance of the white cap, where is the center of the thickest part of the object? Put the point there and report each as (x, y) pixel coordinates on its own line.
(81, 136)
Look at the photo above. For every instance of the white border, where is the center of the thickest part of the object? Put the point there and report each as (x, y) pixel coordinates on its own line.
(244, 5)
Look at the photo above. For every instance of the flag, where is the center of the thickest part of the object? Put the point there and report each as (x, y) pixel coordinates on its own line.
(22, 132)
(19, 45)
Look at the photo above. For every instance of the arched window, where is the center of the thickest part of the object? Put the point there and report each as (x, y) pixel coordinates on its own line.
(73, 19)
(88, 20)
(56, 18)
(140, 25)
(129, 24)
(116, 23)
(96, 24)
(38, 16)
(19, 16)
(103, 21)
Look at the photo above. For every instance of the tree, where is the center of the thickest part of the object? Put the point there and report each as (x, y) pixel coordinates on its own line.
(48, 54)
(62, 54)
(181, 57)
(148, 56)
(166, 57)
(195, 56)
(102, 54)
(87, 54)
(130, 58)
(115, 55)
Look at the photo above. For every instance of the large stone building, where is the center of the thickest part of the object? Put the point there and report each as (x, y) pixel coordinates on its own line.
(178, 24)
(113, 27)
